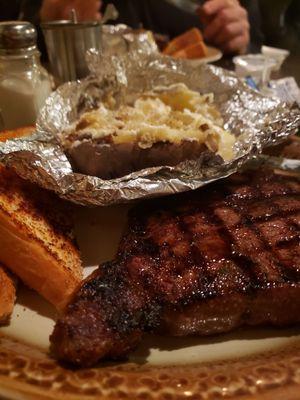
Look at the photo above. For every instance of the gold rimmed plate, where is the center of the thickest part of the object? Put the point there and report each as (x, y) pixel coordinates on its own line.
(258, 363)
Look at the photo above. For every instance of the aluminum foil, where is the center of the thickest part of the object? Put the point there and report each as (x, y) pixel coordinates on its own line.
(281, 165)
(255, 120)
(119, 39)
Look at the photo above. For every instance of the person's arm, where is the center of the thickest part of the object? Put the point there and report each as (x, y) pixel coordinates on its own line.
(60, 9)
(226, 25)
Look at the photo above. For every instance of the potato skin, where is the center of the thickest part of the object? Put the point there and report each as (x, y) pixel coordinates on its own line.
(109, 160)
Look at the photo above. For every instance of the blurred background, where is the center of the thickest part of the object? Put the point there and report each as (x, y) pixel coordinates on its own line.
(281, 28)
(279, 22)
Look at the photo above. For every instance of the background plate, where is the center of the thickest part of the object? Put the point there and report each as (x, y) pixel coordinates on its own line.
(245, 364)
(213, 54)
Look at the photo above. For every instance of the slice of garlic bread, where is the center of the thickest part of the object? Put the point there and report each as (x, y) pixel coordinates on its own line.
(7, 295)
(16, 133)
(36, 241)
(7, 281)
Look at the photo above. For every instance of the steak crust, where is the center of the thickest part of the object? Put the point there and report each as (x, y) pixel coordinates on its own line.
(202, 263)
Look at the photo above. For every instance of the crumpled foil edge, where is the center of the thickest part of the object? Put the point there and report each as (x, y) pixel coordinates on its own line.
(256, 120)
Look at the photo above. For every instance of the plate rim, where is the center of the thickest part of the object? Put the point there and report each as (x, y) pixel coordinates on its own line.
(215, 56)
(30, 372)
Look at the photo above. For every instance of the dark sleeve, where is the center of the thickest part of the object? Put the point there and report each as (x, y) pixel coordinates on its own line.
(157, 15)
(254, 16)
(162, 17)
(169, 19)
(292, 22)
(9, 9)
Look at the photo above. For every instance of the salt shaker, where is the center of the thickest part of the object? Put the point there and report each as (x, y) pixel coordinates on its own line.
(24, 83)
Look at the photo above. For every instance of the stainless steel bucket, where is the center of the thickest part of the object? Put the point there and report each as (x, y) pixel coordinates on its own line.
(67, 43)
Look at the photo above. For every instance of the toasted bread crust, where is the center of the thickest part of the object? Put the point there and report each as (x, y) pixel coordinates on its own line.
(7, 295)
(36, 239)
(7, 282)
(16, 133)
(196, 50)
(187, 38)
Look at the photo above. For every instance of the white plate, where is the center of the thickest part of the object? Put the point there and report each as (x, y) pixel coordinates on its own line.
(213, 54)
(98, 233)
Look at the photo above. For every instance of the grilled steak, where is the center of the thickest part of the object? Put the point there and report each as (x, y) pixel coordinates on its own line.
(202, 263)
(290, 148)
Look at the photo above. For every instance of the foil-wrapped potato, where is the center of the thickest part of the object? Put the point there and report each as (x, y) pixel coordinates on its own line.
(162, 127)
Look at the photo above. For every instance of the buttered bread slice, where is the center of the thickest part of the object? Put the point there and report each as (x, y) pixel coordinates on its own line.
(36, 239)
(16, 133)
(7, 295)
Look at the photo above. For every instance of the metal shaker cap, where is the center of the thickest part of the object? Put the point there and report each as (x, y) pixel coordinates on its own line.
(17, 38)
